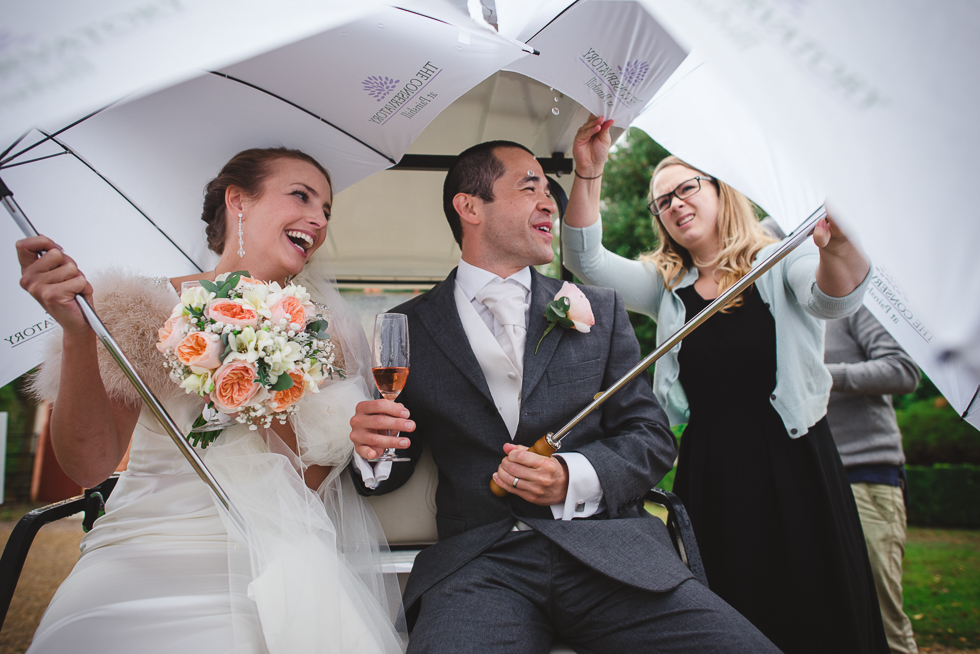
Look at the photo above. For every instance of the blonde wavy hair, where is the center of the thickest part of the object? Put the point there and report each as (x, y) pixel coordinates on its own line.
(739, 233)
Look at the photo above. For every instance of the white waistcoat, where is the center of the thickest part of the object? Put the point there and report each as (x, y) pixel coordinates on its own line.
(502, 376)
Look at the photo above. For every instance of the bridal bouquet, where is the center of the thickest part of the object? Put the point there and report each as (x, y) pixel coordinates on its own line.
(252, 349)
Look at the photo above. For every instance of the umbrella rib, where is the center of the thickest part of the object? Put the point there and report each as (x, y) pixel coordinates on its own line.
(22, 163)
(124, 197)
(304, 110)
(51, 137)
(14, 145)
(970, 405)
(551, 21)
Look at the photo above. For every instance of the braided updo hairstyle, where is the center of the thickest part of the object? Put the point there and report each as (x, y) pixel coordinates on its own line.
(247, 171)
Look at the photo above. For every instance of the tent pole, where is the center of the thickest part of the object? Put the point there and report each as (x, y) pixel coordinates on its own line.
(195, 461)
(551, 442)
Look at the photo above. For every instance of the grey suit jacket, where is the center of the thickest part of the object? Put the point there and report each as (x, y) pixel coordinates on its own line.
(627, 441)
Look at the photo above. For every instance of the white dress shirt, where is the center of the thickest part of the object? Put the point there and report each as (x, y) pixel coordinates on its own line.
(584, 496)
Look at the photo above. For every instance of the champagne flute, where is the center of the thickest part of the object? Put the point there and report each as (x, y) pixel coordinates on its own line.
(390, 363)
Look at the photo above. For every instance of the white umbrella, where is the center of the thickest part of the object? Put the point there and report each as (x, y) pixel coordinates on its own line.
(65, 58)
(355, 97)
(610, 56)
(876, 102)
(700, 117)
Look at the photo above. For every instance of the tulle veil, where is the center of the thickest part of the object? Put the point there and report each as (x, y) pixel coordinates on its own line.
(311, 561)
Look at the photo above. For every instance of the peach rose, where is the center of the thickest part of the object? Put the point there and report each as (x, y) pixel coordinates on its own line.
(234, 385)
(171, 332)
(291, 309)
(248, 281)
(580, 311)
(284, 399)
(231, 312)
(200, 351)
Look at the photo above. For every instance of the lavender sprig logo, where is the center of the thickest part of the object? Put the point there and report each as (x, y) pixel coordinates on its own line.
(379, 86)
(635, 72)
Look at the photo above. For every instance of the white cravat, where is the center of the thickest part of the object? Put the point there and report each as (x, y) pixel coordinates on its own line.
(506, 302)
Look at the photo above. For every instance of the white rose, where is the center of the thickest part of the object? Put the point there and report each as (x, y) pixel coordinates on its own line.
(196, 297)
(244, 346)
(198, 383)
(284, 356)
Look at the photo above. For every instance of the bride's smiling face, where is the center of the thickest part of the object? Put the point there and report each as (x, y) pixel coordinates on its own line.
(286, 223)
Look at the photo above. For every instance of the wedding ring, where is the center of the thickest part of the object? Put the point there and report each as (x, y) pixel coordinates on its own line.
(514, 485)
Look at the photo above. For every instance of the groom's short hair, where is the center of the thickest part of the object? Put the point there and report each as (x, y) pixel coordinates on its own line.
(474, 173)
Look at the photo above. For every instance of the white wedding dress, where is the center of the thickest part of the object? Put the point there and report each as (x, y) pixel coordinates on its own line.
(159, 572)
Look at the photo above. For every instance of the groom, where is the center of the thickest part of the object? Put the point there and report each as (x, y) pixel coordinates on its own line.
(569, 553)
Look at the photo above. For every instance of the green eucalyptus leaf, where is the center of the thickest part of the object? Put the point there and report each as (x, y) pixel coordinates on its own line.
(209, 286)
(262, 372)
(284, 382)
(553, 314)
(318, 328)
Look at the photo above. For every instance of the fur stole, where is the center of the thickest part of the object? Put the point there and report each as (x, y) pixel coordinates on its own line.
(133, 308)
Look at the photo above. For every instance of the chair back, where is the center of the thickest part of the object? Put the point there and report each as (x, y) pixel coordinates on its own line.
(408, 515)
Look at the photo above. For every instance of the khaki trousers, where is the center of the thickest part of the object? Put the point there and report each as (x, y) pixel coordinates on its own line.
(882, 512)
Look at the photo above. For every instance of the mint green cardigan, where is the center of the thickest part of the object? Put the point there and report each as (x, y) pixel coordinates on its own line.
(789, 289)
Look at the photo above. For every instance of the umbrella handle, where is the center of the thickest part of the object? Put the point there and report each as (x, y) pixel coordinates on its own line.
(790, 244)
(543, 446)
(168, 424)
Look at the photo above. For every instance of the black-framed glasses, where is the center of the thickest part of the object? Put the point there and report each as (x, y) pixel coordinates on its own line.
(684, 190)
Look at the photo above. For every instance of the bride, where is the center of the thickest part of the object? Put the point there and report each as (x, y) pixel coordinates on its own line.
(163, 570)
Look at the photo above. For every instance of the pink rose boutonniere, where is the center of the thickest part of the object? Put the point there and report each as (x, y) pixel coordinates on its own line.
(570, 309)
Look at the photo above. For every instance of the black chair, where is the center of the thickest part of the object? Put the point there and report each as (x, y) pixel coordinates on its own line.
(15, 553)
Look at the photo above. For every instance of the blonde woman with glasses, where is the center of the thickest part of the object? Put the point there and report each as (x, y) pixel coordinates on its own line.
(758, 471)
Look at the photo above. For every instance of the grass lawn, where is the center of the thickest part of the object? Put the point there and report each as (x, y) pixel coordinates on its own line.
(942, 586)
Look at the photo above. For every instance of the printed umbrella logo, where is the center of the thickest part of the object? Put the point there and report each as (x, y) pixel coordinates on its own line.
(379, 86)
(635, 72)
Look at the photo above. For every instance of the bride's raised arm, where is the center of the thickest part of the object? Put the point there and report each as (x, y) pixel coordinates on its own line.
(89, 432)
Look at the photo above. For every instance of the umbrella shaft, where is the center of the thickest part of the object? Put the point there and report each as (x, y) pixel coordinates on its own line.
(716, 305)
(148, 397)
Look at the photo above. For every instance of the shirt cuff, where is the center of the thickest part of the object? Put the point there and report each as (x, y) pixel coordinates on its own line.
(372, 474)
(584, 497)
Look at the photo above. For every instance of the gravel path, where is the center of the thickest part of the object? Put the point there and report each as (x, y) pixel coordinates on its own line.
(51, 558)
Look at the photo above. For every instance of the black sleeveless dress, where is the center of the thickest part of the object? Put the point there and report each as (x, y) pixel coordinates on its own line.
(774, 516)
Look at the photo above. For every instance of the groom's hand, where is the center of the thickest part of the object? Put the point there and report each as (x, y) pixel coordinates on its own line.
(542, 480)
(370, 422)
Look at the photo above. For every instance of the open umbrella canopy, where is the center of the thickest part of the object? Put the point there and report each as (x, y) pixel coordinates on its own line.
(875, 101)
(610, 56)
(124, 186)
(699, 118)
(62, 58)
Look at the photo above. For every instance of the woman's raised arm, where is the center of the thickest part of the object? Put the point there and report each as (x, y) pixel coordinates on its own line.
(89, 432)
(590, 151)
(842, 265)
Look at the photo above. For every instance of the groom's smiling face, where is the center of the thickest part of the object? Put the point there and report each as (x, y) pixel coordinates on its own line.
(517, 224)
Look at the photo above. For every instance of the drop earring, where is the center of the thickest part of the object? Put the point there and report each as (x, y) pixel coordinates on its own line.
(241, 240)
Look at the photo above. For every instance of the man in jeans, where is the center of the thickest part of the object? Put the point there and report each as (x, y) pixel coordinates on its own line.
(868, 366)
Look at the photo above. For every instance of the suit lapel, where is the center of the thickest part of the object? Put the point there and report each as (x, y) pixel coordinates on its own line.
(543, 291)
(440, 318)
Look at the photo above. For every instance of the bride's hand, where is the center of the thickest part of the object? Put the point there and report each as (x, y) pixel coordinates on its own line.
(53, 279)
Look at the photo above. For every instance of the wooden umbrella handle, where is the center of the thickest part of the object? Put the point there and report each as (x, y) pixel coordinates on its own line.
(542, 447)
